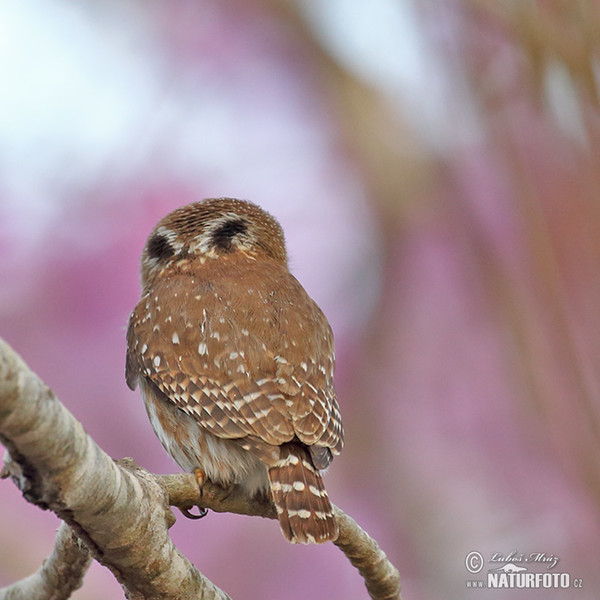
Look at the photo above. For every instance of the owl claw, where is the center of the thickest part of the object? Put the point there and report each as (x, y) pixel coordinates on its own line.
(186, 513)
(200, 478)
(202, 512)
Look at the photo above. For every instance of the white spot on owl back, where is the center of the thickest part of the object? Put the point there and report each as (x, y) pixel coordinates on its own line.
(144, 348)
(202, 348)
(157, 361)
(233, 355)
(315, 490)
(175, 338)
(292, 459)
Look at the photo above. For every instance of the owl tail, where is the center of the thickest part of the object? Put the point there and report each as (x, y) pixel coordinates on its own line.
(303, 508)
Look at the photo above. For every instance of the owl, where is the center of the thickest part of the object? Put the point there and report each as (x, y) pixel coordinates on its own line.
(235, 361)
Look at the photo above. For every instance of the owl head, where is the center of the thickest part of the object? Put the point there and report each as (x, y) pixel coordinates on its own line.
(210, 229)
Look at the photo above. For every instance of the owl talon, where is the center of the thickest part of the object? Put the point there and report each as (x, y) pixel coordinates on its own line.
(186, 513)
(200, 478)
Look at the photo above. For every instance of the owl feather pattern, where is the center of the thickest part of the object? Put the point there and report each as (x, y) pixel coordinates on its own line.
(235, 361)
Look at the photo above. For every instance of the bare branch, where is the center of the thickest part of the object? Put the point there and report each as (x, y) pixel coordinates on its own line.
(118, 511)
(381, 577)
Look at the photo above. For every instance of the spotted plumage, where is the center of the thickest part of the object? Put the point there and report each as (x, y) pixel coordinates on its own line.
(235, 361)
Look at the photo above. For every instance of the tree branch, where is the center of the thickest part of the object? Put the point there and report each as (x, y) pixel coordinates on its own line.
(381, 577)
(61, 574)
(118, 512)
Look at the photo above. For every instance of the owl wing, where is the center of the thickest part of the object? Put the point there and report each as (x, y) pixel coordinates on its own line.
(248, 362)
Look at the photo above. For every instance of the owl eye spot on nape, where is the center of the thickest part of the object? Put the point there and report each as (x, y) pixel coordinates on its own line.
(159, 247)
(222, 236)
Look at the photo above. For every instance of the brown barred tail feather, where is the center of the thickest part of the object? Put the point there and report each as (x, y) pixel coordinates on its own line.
(303, 508)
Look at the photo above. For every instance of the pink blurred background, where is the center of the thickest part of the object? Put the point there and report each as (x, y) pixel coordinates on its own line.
(435, 166)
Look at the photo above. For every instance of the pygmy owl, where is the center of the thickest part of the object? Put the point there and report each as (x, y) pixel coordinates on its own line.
(235, 361)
